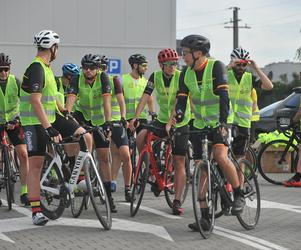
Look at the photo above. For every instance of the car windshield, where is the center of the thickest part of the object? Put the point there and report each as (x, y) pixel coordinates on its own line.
(268, 110)
(292, 101)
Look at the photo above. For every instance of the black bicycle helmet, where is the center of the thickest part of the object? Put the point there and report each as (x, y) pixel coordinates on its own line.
(4, 60)
(137, 58)
(91, 60)
(196, 42)
(104, 60)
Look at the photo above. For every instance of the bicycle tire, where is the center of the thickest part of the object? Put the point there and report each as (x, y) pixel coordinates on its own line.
(251, 213)
(98, 195)
(200, 170)
(77, 203)
(139, 183)
(52, 205)
(269, 165)
(9, 184)
(169, 191)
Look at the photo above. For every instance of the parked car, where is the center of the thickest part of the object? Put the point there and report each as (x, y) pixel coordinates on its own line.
(284, 108)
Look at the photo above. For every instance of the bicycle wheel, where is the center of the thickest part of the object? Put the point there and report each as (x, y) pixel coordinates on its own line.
(277, 161)
(78, 202)
(54, 193)
(251, 157)
(201, 190)
(98, 195)
(140, 180)
(8, 174)
(169, 190)
(250, 215)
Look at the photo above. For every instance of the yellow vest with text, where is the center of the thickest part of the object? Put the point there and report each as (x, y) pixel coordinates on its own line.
(90, 100)
(166, 98)
(206, 103)
(133, 94)
(9, 102)
(115, 114)
(49, 93)
(240, 97)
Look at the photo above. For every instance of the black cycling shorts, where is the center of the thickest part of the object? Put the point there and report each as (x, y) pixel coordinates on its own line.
(98, 139)
(241, 139)
(196, 140)
(119, 135)
(37, 139)
(16, 136)
(180, 141)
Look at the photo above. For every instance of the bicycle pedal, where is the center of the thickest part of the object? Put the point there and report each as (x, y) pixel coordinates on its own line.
(65, 196)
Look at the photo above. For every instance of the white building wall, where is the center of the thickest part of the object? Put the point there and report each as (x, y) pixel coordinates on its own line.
(281, 68)
(117, 28)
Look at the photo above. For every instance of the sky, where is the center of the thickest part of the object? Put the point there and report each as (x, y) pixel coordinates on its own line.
(274, 36)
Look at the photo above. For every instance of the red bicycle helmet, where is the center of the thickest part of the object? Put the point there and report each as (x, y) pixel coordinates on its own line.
(166, 55)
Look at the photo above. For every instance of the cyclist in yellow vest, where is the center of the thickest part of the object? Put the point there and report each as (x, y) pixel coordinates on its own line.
(165, 82)
(295, 180)
(120, 144)
(133, 85)
(69, 71)
(206, 81)
(241, 83)
(9, 114)
(91, 90)
(40, 116)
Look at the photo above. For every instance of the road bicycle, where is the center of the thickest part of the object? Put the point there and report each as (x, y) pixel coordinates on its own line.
(56, 194)
(9, 166)
(277, 159)
(210, 186)
(155, 167)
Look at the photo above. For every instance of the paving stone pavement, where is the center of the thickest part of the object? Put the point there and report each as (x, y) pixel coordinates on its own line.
(280, 224)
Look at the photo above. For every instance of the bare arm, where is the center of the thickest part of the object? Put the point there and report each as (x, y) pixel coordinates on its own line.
(266, 82)
(121, 102)
(144, 99)
(151, 105)
(71, 98)
(107, 106)
(35, 101)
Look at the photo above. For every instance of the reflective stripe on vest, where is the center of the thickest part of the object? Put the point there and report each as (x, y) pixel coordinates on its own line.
(240, 97)
(208, 114)
(9, 103)
(166, 98)
(133, 94)
(115, 113)
(90, 100)
(49, 92)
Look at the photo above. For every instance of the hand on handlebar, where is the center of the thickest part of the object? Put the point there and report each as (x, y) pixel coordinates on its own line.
(54, 135)
(170, 125)
(133, 124)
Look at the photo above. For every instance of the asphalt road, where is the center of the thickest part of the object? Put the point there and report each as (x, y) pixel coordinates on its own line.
(154, 227)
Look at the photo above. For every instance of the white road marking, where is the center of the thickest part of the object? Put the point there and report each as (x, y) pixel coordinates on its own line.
(249, 238)
(155, 211)
(17, 224)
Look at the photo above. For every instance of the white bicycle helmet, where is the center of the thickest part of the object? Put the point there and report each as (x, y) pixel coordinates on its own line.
(46, 39)
(240, 53)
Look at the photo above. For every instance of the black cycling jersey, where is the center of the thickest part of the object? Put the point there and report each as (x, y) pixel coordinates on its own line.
(151, 83)
(220, 88)
(34, 78)
(3, 85)
(106, 87)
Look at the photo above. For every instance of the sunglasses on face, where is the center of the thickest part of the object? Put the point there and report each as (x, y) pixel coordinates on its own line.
(170, 63)
(91, 67)
(241, 64)
(144, 65)
(4, 69)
